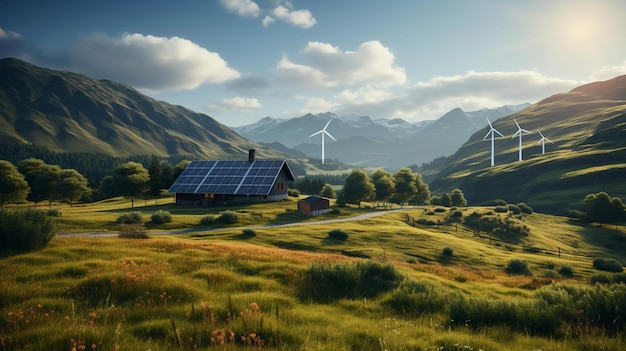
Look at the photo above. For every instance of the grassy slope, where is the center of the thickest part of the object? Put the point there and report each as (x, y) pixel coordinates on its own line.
(136, 293)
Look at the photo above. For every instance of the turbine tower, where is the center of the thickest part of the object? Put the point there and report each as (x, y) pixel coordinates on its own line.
(519, 132)
(491, 131)
(543, 142)
(323, 131)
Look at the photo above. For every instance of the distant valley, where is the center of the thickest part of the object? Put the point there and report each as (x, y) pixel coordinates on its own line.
(365, 142)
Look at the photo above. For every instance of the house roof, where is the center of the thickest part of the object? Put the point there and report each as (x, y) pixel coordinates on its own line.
(314, 198)
(230, 177)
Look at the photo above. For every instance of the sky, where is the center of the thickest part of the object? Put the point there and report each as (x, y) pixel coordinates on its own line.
(241, 60)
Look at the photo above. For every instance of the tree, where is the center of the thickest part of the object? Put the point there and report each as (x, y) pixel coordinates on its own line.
(457, 198)
(358, 187)
(405, 186)
(328, 191)
(72, 186)
(129, 179)
(42, 179)
(423, 193)
(446, 200)
(156, 177)
(602, 208)
(13, 187)
(385, 185)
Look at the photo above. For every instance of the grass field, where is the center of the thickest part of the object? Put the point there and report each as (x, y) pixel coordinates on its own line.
(217, 289)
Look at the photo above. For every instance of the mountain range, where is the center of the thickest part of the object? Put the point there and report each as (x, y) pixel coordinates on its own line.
(587, 128)
(364, 142)
(68, 112)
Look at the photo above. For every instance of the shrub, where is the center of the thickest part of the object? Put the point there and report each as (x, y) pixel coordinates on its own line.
(338, 234)
(500, 209)
(575, 214)
(130, 218)
(457, 214)
(161, 217)
(326, 282)
(517, 267)
(248, 233)
(133, 231)
(229, 217)
(566, 271)
(293, 192)
(448, 251)
(22, 231)
(525, 208)
(207, 219)
(54, 212)
(602, 278)
(499, 202)
(607, 264)
(440, 209)
(335, 211)
(419, 297)
(514, 208)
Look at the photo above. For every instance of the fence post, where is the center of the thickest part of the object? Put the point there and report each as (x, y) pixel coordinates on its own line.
(559, 251)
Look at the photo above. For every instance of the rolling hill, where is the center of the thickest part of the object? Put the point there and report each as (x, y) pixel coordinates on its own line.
(587, 126)
(68, 112)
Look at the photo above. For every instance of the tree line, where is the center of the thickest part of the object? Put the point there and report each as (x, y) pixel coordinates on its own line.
(35, 181)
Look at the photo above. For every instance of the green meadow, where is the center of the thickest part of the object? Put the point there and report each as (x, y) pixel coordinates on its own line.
(403, 280)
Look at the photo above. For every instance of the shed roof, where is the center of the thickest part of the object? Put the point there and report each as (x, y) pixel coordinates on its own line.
(314, 198)
(255, 177)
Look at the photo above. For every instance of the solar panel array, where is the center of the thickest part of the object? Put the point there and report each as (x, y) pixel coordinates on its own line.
(228, 177)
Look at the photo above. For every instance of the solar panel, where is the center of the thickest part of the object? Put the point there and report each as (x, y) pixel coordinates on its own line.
(228, 177)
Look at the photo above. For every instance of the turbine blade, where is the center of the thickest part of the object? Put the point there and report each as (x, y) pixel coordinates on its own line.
(327, 125)
(516, 133)
(487, 134)
(495, 130)
(332, 137)
(316, 133)
(518, 127)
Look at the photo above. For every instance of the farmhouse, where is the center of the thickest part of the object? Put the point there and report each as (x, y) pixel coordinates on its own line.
(314, 205)
(214, 183)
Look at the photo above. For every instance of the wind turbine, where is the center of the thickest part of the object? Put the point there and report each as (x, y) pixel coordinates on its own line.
(491, 131)
(519, 132)
(323, 131)
(543, 142)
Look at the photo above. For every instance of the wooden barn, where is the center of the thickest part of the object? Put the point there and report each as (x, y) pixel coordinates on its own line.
(216, 183)
(314, 205)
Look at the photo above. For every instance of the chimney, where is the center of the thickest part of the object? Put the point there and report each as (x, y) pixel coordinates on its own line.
(251, 155)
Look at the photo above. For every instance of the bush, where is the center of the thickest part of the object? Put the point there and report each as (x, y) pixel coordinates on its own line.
(207, 219)
(525, 208)
(457, 214)
(335, 211)
(293, 192)
(440, 209)
(338, 234)
(514, 208)
(566, 271)
(608, 264)
(500, 209)
(517, 267)
(54, 212)
(248, 233)
(229, 217)
(326, 282)
(419, 297)
(575, 214)
(130, 218)
(133, 231)
(161, 217)
(22, 231)
(447, 251)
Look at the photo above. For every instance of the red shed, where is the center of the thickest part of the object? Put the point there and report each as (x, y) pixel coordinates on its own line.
(314, 205)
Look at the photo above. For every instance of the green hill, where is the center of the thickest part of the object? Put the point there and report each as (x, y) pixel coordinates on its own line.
(588, 129)
(68, 112)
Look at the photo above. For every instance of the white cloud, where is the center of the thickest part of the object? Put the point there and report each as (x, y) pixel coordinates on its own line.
(148, 62)
(267, 21)
(435, 97)
(237, 104)
(314, 105)
(12, 44)
(298, 18)
(609, 72)
(328, 66)
(245, 8)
